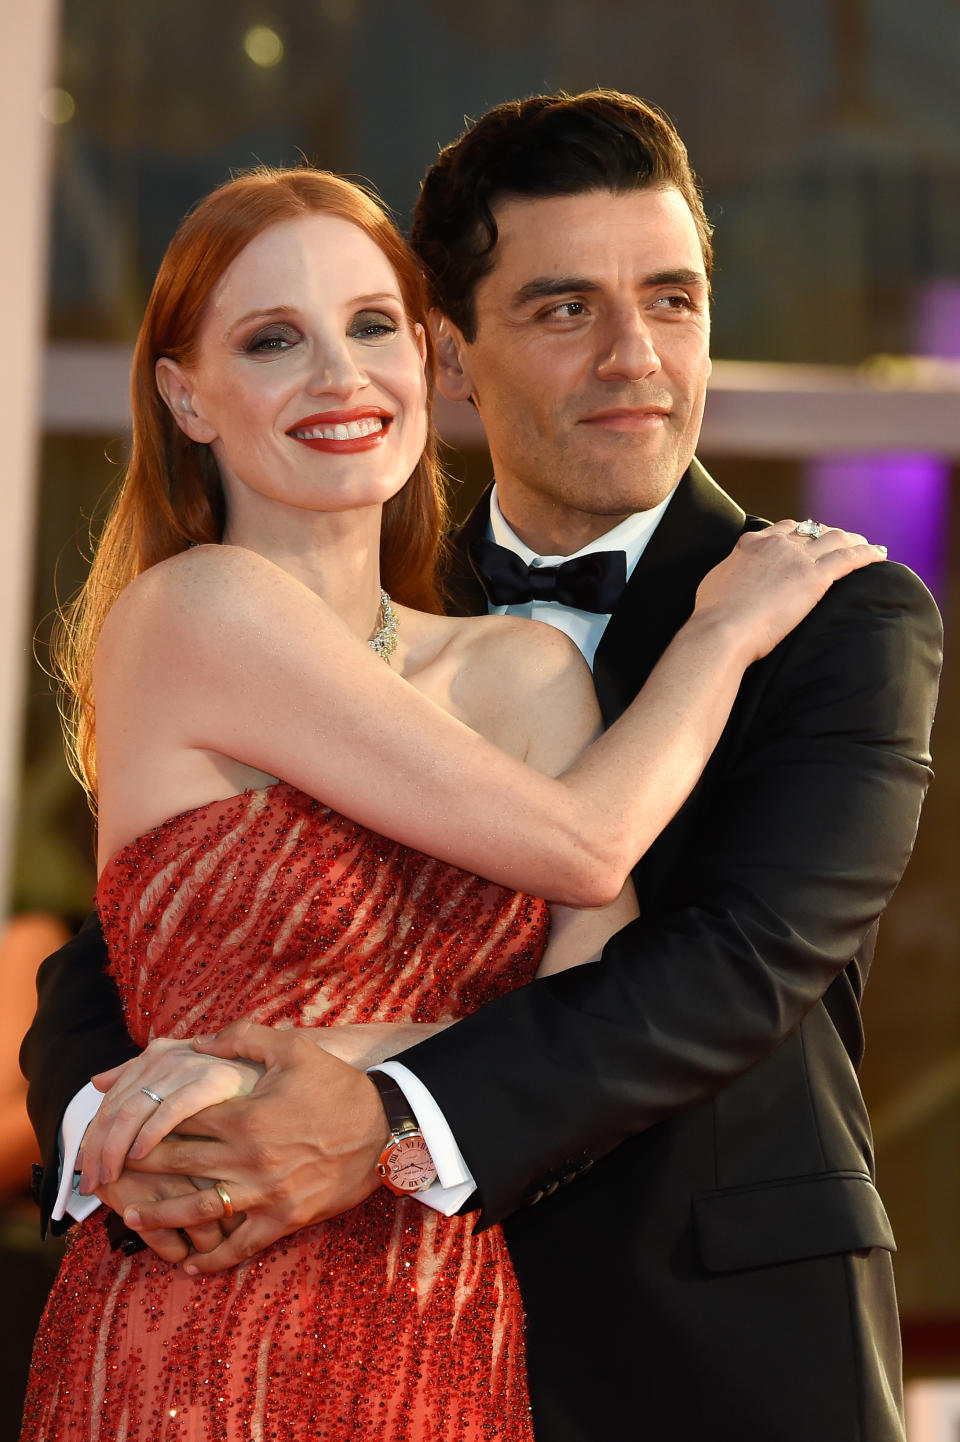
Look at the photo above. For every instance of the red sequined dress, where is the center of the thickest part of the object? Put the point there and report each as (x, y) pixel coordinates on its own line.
(390, 1323)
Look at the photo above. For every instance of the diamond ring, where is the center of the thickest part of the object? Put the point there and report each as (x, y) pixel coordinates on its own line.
(152, 1095)
(810, 528)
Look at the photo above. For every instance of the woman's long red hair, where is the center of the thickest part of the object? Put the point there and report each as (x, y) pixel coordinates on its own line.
(170, 496)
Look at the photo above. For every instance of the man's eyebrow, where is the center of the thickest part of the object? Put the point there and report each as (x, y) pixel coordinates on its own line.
(548, 285)
(676, 277)
(544, 287)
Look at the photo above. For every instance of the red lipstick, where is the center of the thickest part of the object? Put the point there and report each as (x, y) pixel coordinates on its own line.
(343, 432)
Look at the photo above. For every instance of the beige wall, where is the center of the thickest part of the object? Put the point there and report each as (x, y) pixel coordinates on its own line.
(26, 68)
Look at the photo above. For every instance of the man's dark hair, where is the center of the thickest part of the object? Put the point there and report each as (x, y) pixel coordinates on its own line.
(543, 146)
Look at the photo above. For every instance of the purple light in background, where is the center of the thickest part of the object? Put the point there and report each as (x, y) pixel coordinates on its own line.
(899, 500)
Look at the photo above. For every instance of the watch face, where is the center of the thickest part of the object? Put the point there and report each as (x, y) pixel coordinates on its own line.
(406, 1165)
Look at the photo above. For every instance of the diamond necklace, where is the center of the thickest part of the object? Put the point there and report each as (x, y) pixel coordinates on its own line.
(384, 639)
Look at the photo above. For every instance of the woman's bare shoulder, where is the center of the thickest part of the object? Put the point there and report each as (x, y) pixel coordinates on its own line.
(193, 587)
(197, 568)
(524, 685)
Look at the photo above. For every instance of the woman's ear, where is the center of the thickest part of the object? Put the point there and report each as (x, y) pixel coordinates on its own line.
(176, 388)
(453, 376)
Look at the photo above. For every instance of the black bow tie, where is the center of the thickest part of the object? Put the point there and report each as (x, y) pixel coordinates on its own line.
(587, 583)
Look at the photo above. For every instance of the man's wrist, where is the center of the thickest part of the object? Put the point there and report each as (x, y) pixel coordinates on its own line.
(404, 1165)
(455, 1184)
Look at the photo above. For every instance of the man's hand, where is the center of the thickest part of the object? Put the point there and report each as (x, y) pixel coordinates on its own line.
(133, 1190)
(300, 1148)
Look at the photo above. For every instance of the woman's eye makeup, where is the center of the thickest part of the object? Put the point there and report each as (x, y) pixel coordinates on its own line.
(366, 325)
(271, 340)
(373, 325)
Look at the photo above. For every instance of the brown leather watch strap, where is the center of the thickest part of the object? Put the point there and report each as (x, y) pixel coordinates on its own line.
(400, 1117)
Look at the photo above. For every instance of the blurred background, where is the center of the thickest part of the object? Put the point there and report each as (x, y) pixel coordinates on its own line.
(827, 138)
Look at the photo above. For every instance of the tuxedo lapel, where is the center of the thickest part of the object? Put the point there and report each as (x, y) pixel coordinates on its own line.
(700, 526)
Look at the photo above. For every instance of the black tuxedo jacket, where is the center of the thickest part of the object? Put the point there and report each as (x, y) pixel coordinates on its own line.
(724, 1271)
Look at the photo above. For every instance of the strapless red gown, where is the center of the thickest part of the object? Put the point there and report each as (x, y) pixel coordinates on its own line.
(387, 1324)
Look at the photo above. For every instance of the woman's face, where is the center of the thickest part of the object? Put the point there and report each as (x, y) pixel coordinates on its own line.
(309, 380)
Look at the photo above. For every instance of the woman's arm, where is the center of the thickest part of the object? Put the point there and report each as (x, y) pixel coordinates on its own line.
(561, 726)
(264, 672)
(559, 719)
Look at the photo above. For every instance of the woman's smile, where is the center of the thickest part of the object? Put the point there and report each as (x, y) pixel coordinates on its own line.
(343, 432)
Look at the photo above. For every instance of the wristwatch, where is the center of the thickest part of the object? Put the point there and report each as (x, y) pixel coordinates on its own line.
(405, 1164)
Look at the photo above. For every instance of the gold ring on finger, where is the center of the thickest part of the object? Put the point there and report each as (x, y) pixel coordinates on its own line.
(224, 1196)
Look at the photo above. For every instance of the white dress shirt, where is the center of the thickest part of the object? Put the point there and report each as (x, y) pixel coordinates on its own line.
(454, 1182)
(584, 627)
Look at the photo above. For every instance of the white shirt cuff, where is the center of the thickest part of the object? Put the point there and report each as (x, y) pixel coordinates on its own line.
(454, 1182)
(77, 1117)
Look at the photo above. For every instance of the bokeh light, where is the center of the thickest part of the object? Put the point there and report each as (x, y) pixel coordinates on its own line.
(263, 46)
(57, 106)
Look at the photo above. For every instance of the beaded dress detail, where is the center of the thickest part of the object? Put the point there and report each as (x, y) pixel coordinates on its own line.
(389, 1323)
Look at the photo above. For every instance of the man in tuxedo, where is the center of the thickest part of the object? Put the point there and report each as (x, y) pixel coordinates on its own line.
(673, 1137)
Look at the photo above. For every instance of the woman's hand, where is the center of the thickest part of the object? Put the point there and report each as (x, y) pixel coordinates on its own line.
(774, 577)
(130, 1122)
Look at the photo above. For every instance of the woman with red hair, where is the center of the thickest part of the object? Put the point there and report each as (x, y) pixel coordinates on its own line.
(274, 545)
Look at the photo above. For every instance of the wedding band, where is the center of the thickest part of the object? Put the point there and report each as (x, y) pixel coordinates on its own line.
(152, 1095)
(224, 1196)
(810, 528)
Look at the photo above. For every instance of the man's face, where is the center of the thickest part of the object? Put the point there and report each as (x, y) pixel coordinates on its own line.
(590, 362)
